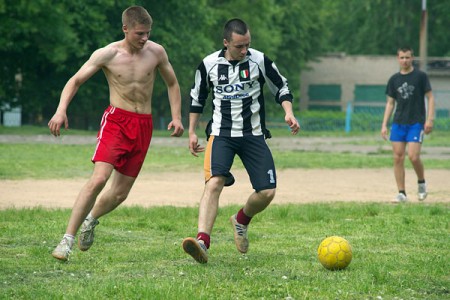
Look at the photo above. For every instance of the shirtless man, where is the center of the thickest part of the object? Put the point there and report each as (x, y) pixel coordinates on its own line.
(130, 67)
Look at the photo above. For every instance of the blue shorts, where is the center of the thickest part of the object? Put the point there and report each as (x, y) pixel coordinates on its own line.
(407, 133)
(254, 154)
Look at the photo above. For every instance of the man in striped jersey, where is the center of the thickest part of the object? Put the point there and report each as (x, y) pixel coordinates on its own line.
(235, 76)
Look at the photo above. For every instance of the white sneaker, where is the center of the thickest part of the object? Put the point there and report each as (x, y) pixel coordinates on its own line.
(240, 235)
(63, 250)
(422, 194)
(196, 248)
(86, 238)
(400, 198)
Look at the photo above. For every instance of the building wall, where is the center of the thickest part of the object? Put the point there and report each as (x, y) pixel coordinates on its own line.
(358, 76)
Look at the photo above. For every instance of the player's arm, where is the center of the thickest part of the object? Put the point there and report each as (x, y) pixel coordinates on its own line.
(278, 85)
(198, 96)
(173, 88)
(289, 117)
(194, 146)
(430, 116)
(390, 104)
(90, 67)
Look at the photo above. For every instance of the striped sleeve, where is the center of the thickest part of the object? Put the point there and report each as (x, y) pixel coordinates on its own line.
(199, 91)
(276, 82)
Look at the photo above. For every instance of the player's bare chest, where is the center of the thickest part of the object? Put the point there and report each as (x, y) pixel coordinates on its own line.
(133, 67)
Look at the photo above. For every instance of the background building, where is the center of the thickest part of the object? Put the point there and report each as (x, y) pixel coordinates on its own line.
(338, 82)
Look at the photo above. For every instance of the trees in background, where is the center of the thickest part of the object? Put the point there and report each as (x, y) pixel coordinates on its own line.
(379, 27)
(46, 42)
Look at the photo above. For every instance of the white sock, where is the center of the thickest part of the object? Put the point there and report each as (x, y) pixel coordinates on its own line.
(90, 217)
(70, 238)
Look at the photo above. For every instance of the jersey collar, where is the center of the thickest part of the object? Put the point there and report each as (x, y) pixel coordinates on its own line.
(224, 49)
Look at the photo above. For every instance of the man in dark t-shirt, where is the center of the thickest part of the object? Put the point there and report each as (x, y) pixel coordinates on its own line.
(406, 92)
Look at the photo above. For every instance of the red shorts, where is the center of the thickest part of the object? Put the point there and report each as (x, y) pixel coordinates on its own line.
(123, 140)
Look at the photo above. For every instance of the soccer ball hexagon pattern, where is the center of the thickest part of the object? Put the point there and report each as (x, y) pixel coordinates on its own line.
(335, 253)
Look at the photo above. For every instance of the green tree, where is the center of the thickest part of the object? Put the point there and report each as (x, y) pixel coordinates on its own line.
(302, 28)
(48, 41)
(44, 41)
(290, 32)
(438, 28)
(379, 27)
(180, 26)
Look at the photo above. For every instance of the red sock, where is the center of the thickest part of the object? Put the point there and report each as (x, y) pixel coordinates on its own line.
(205, 238)
(242, 218)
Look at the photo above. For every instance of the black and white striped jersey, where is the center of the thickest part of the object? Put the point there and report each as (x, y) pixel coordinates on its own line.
(237, 90)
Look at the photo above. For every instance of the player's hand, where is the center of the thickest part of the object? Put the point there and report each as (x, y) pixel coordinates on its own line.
(428, 128)
(194, 146)
(384, 132)
(293, 123)
(177, 126)
(56, 122)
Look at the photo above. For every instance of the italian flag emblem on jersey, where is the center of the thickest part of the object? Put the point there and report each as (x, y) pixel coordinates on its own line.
(244, 73)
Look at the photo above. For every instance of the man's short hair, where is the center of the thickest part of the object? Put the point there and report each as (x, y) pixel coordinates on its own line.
(405, 49)
(134, 15)
(234, 25)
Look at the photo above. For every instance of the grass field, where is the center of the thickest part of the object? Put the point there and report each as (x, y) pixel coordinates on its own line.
(399, 251)
(65, 161)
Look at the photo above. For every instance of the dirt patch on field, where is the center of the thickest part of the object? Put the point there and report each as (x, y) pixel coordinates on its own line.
(185, 189)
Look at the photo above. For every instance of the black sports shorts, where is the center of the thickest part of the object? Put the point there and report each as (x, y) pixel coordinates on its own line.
(254, 154)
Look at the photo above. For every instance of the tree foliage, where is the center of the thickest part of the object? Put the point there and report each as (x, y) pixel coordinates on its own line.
(47, 41)
(379, 27)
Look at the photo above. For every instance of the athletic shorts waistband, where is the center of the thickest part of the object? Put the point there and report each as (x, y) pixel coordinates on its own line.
(115, 110)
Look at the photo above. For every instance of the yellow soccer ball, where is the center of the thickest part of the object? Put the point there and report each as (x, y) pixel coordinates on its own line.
(335, 253)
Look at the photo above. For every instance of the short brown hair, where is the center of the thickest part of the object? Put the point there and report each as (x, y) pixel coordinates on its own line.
(405, 49)
(134, 15)
(234, 25)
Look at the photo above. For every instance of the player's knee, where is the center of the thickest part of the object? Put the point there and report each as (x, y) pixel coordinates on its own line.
(267, 195)
(399, 157)
(215, 183)
(120, 197)
(414, 158)
(97, 182)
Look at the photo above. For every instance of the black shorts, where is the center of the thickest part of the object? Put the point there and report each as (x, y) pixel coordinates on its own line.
(254, 154)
